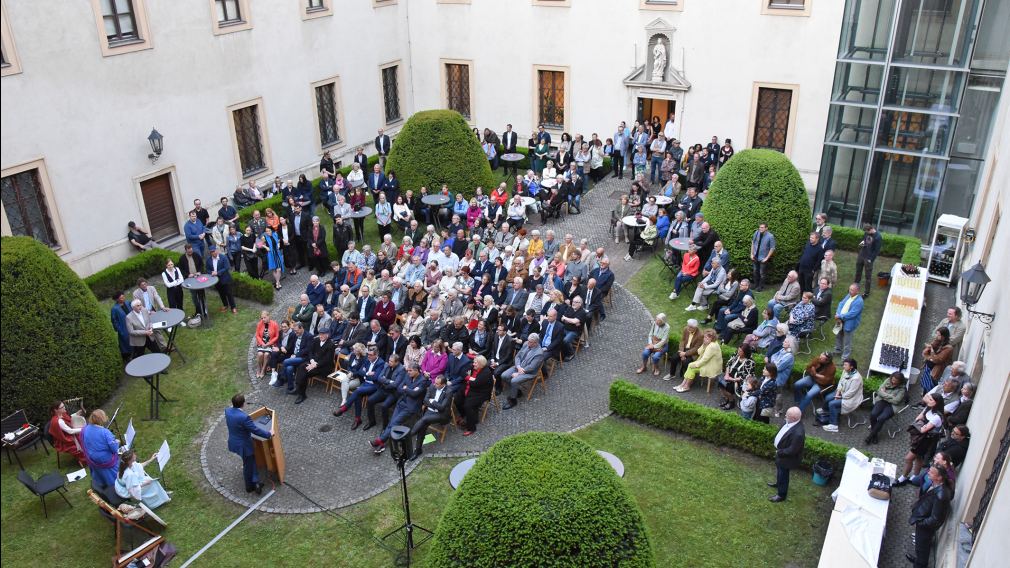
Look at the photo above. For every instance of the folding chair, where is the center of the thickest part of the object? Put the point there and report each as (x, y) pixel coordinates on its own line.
(821, 320)
(493, 401)
(45, 485)
(539, 379)
(804, 337)
(848, 417)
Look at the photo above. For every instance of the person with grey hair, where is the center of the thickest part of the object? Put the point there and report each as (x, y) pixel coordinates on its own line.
(707, 286)
(687, 350)
(789, 443)
(659, 338)
(458, 366)
(352, 255)
(142, 335)
(525, 367)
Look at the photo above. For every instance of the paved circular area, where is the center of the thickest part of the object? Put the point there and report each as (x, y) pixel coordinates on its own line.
(335, 467)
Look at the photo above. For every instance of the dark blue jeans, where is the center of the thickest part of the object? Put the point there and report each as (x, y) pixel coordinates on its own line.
(250, 473)
(781, 480)
(354, 399)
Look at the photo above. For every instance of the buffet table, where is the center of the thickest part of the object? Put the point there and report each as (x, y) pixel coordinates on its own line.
(896, 337)
(857, 524)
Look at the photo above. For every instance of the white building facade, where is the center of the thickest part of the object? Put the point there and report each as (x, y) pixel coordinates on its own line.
(244, 91)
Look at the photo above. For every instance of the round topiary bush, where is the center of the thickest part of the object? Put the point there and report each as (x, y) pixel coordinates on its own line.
(760, 186)
(58, 341)
(541, 499)
(436, 147)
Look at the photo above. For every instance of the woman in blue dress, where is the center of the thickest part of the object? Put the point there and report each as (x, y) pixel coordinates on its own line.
(275, 257)
(101, 449)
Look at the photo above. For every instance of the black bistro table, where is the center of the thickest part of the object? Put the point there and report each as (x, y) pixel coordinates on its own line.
(150, 367)
(438, 201)
(512, 159)
(170, 320)
(199, 284)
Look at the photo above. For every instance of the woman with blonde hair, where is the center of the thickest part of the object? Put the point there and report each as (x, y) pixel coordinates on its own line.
(101, 449)
(709, 361)
(358, 355)
(267, 334)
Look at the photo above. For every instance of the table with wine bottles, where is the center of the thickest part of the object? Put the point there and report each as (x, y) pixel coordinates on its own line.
(896, 338)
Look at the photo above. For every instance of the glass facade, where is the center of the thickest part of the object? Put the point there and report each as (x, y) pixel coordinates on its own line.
(916, 86)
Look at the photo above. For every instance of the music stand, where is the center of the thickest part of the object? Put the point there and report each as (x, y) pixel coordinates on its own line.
(112, 424)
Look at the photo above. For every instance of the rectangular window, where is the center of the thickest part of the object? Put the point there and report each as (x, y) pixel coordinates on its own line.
(120, 21)
(391, 93)
(551, 96)
(787, 4)
(786, 7)
(314, 5)
(317, 9)
(229, 16)
(771, 124)
(457, 88)
(228, 12)
(25, 204)
(249, 139)
(326, 113)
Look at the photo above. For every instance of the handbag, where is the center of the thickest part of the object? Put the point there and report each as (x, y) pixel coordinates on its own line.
(767, 412)
(880, 487)
(736, 324)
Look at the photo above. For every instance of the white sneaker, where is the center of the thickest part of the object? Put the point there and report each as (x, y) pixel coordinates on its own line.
(627, 257)
(673, 295)
(616, 240)
(690, 308)
(667, 377)
(830, 428)
(273, 378)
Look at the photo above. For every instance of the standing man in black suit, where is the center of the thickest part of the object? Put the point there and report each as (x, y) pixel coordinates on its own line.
(300, 223)
(361, 159)
(217, 265)
(788, 452)
(509, 139)
(382, 146)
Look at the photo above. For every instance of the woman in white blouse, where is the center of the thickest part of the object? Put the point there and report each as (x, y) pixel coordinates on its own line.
(448, 281)
(402, 213)
(173, 279)
(549, 172)
(356, 177)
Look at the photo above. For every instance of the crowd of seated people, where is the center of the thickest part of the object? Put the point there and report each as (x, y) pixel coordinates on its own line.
(435, 330)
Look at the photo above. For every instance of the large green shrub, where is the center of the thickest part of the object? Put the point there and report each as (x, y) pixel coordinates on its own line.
(720, 428)
(541, 499)
(760, 186)
(436, 147)
(58, 342)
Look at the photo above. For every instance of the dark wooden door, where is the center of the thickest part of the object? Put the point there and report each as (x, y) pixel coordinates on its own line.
(160, 207)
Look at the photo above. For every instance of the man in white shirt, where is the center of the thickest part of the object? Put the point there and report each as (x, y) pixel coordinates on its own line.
(668, 129)
(789, 444)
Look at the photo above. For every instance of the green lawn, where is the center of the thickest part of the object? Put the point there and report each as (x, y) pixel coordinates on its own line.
(653, 284)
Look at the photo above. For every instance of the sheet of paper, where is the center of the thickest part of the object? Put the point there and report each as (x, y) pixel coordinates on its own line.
(430, 438)
(131, 433)
(163, 455)
(76, 475)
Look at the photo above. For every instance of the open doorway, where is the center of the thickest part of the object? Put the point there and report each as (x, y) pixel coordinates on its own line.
(648, 108)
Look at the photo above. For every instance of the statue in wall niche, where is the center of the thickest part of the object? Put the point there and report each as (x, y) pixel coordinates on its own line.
(658, 62)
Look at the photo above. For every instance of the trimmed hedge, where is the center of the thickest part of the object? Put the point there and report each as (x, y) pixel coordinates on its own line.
(123, 276)
(58, 341)
(908, 249)
(720, 428)
(760, 186)
(541, 499)
(436, 147)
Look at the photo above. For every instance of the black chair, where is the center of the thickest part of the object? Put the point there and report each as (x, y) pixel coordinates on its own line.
(53, 481)
(31, 437)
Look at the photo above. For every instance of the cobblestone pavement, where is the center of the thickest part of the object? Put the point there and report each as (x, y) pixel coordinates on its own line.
(336, 467)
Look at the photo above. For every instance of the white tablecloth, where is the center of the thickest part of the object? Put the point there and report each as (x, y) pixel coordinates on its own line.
(857, 524)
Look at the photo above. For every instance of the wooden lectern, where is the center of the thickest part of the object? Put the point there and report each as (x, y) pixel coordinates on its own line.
(269, 453)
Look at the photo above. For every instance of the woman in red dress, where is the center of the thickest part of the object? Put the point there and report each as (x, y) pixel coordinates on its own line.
(63, 433)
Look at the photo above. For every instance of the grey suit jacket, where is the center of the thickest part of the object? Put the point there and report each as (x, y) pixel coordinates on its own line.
(156, 302)
(137, 328)
(530, 359)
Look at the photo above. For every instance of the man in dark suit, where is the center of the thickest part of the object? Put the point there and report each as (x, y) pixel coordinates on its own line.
(391, 187)
(361, 159)
(299, 223)
(319, 258)
(355, 332)
(241, 428)
(457, 367)
(788, 452)
(368, 372)
(501, 353)
(604, 281)
(377, 337)
(393, 377)
(366, 305)
(415, 232)
(191, 264)
(315, 290)
(297, 351)
(509, 139)
(217, 265)
(553, 333)
(525, 367)
(515, 296)
(409, 399)
(382, 146)
(319, 364)
(594, 300)
(396, 343)
(435, 410)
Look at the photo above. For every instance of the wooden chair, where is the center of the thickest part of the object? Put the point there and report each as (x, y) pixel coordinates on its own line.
(493, 401)
(290, 312)
(541, 380)
(442, 429)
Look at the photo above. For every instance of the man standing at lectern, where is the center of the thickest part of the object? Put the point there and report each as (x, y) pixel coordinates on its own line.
(240, 430)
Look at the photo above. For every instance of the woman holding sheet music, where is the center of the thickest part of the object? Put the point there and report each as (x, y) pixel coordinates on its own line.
(134, 483)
